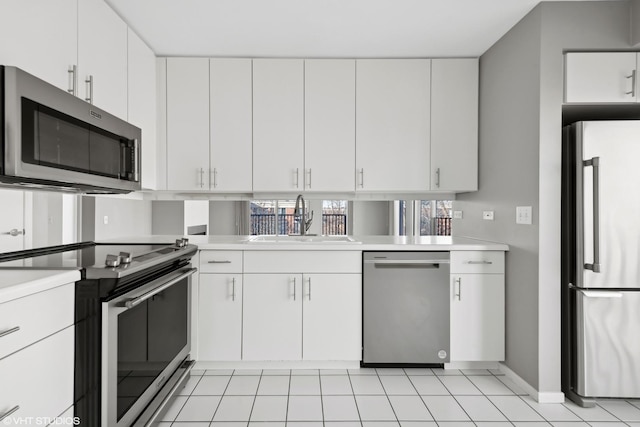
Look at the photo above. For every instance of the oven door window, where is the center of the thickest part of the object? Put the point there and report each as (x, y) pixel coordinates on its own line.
(54, 139)
(150, 335)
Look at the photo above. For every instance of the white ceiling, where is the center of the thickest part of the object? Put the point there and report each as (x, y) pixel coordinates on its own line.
(321, 28)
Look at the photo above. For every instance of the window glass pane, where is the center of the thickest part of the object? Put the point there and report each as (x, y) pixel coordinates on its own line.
(334, 217)
(287, 223)
(435, 217)
(263, 217)
(402, 217)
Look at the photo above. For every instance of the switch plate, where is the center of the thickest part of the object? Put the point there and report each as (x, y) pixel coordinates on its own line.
(487, 215)
(523, 215)
(105, 220)
(457, 214)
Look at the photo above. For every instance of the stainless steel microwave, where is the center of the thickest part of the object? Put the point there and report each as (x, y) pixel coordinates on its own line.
(50, 139)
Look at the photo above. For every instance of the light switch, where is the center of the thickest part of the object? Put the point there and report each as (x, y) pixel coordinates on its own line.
(523, 215)
(487, 215)
(457, 214)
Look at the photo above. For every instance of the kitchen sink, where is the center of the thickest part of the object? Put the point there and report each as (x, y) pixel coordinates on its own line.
(309, 238)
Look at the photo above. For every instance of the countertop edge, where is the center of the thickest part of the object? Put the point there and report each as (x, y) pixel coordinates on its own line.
(30, 286)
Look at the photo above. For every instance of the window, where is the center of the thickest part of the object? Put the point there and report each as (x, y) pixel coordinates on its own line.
(424, 217)
(277, 217)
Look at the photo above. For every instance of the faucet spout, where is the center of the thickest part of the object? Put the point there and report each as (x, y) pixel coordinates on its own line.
(300, 212)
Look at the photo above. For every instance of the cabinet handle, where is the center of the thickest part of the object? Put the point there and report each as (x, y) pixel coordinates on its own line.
(438, 178)
(9, 412)
(459, 283)
(89, 82)
(294, 288)
(14, 232)
(215, 177)
(633, 84)
(309, 182)
(309, 289)
(219, 262)
(361, 178)
(9, 331)
(201, 177)
(480, 262)
(297, 177)
(73, 81)
(233, 292)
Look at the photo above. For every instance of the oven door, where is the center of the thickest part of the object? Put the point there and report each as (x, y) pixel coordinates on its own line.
(145, 338)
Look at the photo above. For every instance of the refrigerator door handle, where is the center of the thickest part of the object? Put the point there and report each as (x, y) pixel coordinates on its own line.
(595, 164)
(602, 294)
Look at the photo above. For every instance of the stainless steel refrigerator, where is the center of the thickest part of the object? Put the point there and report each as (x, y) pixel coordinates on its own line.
(601, 260)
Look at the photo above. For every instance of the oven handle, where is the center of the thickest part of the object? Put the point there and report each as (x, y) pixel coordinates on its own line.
(138, 300)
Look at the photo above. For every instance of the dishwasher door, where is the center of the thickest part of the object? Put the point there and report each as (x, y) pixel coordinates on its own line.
(405, 308)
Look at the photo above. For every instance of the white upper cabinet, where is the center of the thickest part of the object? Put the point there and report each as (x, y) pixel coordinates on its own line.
(187, 123)
(142, 103)
(329, 124)
(392, 124)
(102, 57)
(454, 124)
(40, 36)
(593, 77)
(231, 125)
(278, 125)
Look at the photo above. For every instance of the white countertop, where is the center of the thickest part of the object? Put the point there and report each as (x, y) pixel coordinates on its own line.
(20, 282)
(364, 243)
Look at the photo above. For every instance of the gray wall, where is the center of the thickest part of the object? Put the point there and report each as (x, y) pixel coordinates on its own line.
(127, 217)
(521, 90)
(369, 218)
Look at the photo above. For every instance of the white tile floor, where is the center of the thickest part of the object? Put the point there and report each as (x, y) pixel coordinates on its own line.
(377, 398)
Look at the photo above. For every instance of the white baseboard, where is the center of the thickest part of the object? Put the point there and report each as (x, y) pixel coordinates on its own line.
(299, 364)
(471, 365)
(540, 397)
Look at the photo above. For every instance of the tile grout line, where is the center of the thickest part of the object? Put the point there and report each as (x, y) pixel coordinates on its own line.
(355, 401)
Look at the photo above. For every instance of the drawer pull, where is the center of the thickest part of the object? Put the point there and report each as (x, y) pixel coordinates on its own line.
(9, 331)
(480, 262)
(9, 412)
(459, 283)
(219, 262)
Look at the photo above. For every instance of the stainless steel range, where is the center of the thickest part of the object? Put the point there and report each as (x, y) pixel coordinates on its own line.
(132, 326)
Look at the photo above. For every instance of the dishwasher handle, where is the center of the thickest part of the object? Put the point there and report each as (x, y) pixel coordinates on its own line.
(408, 263)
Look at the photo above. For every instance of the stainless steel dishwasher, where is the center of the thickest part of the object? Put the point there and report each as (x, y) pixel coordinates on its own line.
(405, 308)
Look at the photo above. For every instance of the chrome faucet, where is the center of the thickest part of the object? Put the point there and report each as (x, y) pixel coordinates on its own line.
(301, 215)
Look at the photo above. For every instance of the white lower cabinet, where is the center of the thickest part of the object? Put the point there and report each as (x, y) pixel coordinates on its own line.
(477, 306)
(37, 381)
(220, 317)
(332, 317)
(272, 317)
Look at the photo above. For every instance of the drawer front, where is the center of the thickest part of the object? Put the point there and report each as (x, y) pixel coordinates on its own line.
(220, 261)
(34, 317)
(477, 262)
(38, 379)
(303, 261)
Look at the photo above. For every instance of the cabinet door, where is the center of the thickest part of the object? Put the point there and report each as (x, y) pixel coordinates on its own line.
(454, 124)
(477, 317)
(142, 103)
(278, 125)
(231, 125)
(38, 379)
(332, 317)
(102, 54)
(392, 124)
(220, 317)
(272, 317)
(329, 124)
(188, 123)
(593, 77)
(40, 36)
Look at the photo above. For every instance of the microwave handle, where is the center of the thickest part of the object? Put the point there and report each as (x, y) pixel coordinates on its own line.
(136, 162)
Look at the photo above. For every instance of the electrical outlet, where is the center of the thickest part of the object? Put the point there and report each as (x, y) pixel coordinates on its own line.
(457, 214)
(487, 215)
(105, 220)
(523, 215)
